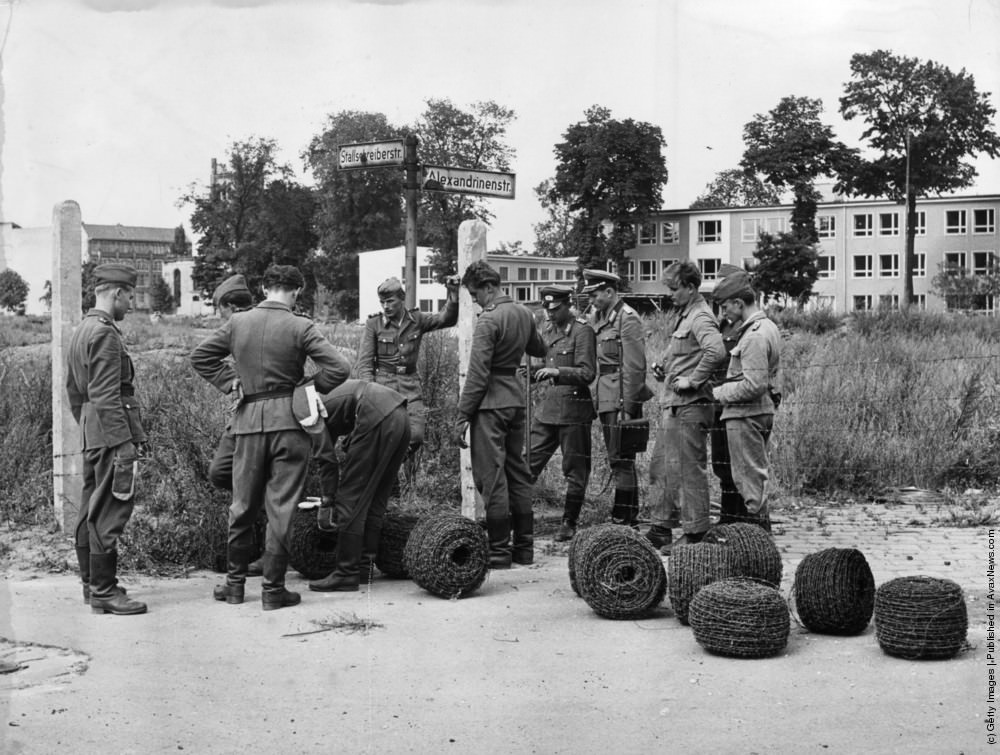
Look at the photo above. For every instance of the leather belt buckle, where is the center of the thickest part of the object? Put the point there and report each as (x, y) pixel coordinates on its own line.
(401, 370)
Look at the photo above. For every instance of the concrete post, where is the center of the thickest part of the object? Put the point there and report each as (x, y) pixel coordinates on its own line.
(67, 303)
(471, 247)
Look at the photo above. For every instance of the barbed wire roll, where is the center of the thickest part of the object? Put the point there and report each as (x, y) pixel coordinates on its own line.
(311, 551)
(834, 591)
(920, 618)
(576, 545)
(740, 617)
(692, 567)
(754, 553)
(620, 574)
(396, 529)
(447, 555)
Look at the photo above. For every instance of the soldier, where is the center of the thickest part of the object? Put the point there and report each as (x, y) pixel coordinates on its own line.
(748, 395)
(390, 347)
(491, 408)
(621, 382)
(99, 381)
(564, 417)
(374, 419)
(269, 345)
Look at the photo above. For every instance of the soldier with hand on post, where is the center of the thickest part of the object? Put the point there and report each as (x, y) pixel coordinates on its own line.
(492, 411)
(621, 383)
(100, 383)
(564, 417)
(390, 347)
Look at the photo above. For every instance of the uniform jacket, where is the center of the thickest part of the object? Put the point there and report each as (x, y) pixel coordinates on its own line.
(694, 350)
(99, 381)
(389, 350)
(356, 406)
(269, 345)
(621, 355)
(753, 370)
(504, 331)
(571, 349)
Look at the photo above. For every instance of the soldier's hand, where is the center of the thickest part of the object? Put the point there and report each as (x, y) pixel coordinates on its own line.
(451, 283)
(682, 384)
(142, 449)
(658, 372)
(547, 373)
(460, 430)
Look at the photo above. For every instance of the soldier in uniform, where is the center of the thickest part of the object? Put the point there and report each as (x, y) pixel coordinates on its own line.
(373, 419)
(492, 410)
(390, 347)
(621, 382)
(269, 345)
(99, 381)
(748, 394)
(564, 417)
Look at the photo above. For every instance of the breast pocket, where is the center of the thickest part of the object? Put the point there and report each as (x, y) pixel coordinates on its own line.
(563, 358)
(682, 342)
(134, 414)
(610, 348)
(387, 347)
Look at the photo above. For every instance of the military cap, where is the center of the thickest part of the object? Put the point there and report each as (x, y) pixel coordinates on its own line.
(390, 287)
(286, 276)
(595, 279)
(234, 284)
(732, 286)
(725, 269)
(115, 272)
(553, 296)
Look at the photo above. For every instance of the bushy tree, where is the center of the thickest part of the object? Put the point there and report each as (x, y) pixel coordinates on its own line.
(786, 267)
(610, 174)
(923, 122)
(963, 291)
(13, 291)
(551, 234)
(737, 187)
(160, 297)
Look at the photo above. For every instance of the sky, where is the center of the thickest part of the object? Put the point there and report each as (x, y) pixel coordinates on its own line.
(122, 104)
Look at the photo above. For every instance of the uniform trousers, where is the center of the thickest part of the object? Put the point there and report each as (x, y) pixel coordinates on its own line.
(499, 470)
(574, 441)
(220, 470)
(731, 503)
(622, 467)
(748, 437)
(685, 448)
(102, 517)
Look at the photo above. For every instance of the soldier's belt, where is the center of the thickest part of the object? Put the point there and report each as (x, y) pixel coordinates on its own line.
(251, 398)
(609, 369)
(402, 370)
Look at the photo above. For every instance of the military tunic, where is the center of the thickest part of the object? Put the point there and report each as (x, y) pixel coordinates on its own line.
(100, 383)
(563, 418)
(388, 355)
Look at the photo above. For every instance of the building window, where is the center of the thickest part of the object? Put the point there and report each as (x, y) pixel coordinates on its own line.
(426, 276)
(983, 262)
(670, 232)
(426, 305)
(862, 302)
(954, 262)
(709, 231)
(522, 293)
(774, 225)
(630, 270)
(522, 274)
(919, 265)
(920, 223)
(533, 274)
(826, 302)
(647, 270)
(559, 273)
(888, 224)
(984, 221)
(954, 221)
(827, 266)
(545, 273)
(177, 287)
(888, 301)
(920, 300)
(504, 273)
(647, 234)
(863, 266)
(826, 226)
(709, 269)
(863, 224)
(750, 230)
(888, 266)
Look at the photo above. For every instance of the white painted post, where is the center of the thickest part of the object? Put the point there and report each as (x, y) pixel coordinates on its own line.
(471, 247)
(67, 303)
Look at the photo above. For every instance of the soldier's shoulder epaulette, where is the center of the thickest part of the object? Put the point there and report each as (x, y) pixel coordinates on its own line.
(626, 309)
(583, 320)
(373, 316)
(413, 309)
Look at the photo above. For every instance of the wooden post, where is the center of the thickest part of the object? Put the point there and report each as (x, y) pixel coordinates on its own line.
(471, 247)
(67, 303)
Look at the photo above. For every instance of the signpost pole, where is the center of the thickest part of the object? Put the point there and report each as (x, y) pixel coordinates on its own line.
(410, 164)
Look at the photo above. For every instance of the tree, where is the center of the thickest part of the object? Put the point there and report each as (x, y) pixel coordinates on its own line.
(180, 247)
(160, 298)
(552, 233)
(13, 291)
(473, 139)
(737, 187)
(924, 121)
(88, 300)
(786, 267)
(791, 147)
(963, 291)
(357, 210)
(610, 174)
(46, 297)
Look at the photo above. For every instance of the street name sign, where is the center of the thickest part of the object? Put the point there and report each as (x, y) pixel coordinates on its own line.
(463, 181)
(371, 155)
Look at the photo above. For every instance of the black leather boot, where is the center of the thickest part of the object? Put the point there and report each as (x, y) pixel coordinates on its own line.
(105, 595)
(498, 533)
(273, 594)
(571, 515)
(523, 524)
(345, 576)
(237, 558)
(625, 509)
(369, 551)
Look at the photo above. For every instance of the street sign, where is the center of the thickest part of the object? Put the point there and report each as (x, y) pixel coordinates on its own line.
(371, 155)
(464, 181)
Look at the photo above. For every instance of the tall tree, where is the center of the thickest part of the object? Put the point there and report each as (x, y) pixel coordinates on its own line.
(924, 121)
(786, 267)
(792, 147)
(358, 210)
(551, 234)
(13, 291)
(737, 187)
(180, 247)
(473, 139)
(610, 173)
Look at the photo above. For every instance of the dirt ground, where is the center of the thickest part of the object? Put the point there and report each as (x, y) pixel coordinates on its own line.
(523, 665)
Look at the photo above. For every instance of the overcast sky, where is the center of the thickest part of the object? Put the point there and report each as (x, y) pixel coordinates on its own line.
(121, 105)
